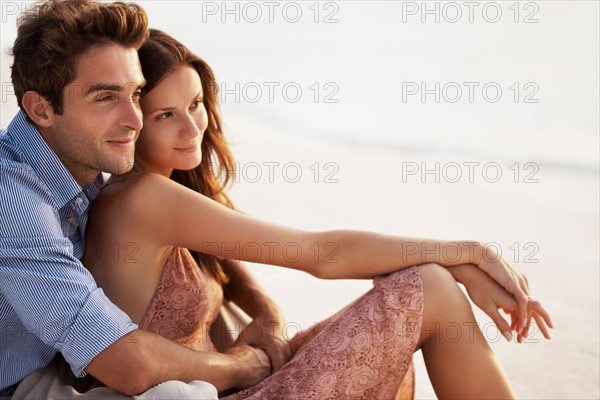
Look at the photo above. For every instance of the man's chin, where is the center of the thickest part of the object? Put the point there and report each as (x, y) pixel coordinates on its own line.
(119, 167)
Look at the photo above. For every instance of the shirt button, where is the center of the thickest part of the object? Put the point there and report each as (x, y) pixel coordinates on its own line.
(79, 201)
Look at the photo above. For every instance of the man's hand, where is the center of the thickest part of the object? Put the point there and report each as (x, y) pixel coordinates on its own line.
(142, 359)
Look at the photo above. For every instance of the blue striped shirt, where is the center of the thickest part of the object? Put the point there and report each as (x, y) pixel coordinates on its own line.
(49, 302)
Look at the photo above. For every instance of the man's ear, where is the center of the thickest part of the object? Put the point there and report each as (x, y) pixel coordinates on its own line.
(38, 108)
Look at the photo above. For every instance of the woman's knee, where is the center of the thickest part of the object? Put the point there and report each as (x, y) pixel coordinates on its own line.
(440, 290)
(436, 277)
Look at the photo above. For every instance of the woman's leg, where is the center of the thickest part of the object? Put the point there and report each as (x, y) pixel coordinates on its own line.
(459, 361)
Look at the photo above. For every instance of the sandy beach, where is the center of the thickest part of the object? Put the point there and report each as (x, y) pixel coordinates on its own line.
(348, 115)
(561, 260)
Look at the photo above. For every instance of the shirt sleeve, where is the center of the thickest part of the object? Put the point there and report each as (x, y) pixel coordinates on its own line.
(53, 294)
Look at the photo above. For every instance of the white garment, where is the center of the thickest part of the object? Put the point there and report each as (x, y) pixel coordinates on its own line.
(197, 390)
(46, 383)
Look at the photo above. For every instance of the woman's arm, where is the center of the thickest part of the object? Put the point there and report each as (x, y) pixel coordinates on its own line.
(176, 215)
(266, 329)
(247, 293)
(183, 217)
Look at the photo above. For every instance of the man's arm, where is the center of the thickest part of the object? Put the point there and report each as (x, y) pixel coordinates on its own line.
(56, 298)
(141, 359)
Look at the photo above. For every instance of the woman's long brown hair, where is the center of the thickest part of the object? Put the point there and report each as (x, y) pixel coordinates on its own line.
(159, 56)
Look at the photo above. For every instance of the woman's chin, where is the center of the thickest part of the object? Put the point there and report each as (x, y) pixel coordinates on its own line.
(188, 166)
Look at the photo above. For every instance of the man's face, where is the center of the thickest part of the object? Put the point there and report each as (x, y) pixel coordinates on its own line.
(101, 117)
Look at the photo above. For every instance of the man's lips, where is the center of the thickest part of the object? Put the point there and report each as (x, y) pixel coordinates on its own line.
(121, 142)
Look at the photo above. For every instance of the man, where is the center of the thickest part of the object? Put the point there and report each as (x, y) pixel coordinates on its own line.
(78, 80)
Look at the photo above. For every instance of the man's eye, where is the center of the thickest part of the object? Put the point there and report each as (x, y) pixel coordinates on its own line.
(108, 97)
(136, 96)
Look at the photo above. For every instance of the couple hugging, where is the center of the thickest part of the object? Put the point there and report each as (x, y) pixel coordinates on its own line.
(100, 92)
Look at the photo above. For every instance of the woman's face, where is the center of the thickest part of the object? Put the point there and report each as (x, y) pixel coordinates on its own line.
(174, 122)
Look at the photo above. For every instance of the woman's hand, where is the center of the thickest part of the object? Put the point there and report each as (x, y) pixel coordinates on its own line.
(535, 311)
(515, 283)
(489, 296)
(267, 335)
(266, 329)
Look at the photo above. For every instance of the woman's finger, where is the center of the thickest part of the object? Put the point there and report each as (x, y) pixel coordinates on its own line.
(513, 320)
(529, 317)
(500, 323)
(542, 311)
(523, 302)
(523, 334)
(278, 351)
(542, 326)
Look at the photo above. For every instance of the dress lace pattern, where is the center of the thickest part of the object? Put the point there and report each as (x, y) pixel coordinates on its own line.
(185, 303)
(361, 352)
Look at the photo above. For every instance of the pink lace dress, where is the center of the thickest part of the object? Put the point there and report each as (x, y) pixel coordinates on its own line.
(362, 352)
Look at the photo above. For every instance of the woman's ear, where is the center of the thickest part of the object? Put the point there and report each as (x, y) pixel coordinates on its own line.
(38, 109)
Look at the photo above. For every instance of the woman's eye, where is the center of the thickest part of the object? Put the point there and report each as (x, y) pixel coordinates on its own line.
(196, 104)
(165, 115)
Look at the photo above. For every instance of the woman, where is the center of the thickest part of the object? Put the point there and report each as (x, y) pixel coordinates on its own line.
(144, 222)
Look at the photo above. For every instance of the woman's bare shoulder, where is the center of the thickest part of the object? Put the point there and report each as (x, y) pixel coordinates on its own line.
(133, 186)
(131, 196)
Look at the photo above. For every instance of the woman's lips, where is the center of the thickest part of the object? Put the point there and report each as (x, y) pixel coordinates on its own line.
(188, 149)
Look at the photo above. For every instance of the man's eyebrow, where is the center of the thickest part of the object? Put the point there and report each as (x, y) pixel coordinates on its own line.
(97, 87)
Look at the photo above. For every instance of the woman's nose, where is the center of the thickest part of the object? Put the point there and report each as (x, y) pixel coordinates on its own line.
(190, 128)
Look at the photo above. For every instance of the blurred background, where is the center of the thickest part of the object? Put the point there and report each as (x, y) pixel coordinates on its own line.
(450, 120)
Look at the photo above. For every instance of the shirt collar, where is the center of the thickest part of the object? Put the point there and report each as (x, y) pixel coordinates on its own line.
(44, 162)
